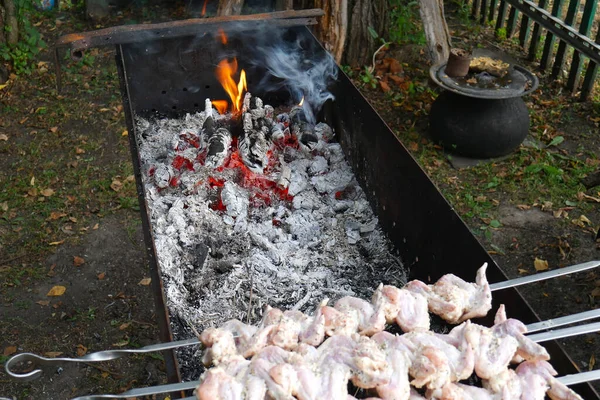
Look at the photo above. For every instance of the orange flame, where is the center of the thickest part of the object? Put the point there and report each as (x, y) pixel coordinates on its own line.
(222, 36)
(204, 8)
(301, 101)
(225, 71)
(221, 106)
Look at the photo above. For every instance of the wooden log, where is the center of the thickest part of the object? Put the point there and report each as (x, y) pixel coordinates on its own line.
(332, 28)
(436, 30)
(230, 7)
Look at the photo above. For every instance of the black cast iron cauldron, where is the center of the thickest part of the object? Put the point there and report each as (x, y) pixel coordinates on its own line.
(481, 116)
(157, 77)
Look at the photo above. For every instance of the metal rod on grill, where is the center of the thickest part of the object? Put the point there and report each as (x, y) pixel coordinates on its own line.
(573, 379)
(544, 275)
(147, 391)
(565, 333)
(569, 319)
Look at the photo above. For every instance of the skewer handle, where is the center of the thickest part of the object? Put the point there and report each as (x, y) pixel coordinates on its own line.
(544, 275)
(581, 377)
(147, 391)
(569, 319)
(565, 333)
(106, 355)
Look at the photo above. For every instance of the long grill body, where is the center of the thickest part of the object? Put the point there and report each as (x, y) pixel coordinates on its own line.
(171, 77)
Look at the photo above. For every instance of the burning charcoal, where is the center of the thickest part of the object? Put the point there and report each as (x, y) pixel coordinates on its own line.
(163, 175)
(332, 182)
(303, 130)
(324, 132)
(253, 147)
(285, 175)
(200, 252)
(318, 166)
(269, 112)
(235, 199)
(283, 118)
(279, 131)
(218, 142)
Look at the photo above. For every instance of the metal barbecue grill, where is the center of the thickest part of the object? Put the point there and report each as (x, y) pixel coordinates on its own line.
(169, 71)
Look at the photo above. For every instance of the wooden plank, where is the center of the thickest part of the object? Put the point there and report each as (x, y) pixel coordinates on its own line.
(535, 36)
(562, 46)
(590, 76)
(493, 5)
(512, 22)
(524, 30)
(549, 44)
(501, 15)
(475, 9)
(482, 13)
(589, 12)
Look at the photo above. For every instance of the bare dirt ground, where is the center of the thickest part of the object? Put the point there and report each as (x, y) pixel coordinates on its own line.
(85, 234)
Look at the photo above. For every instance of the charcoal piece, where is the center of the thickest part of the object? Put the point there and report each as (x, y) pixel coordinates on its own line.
(324, 132)
(218, 141)
(224, 266)
(162, 175)
(283, 118)
(200, 252)
(253, 146)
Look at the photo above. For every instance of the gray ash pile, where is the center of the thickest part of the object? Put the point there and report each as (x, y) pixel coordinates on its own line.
(255, 208)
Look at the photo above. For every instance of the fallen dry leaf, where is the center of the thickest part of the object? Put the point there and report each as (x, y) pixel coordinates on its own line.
(56, 243)
(53, 354)
(81, 350)
(54, 215)
(413, 146)
(3, 136)
(101, 275)
(79, 150)
(57, 291)
(47, 192)
(130, 179)
(125, 133)
(523, 271)
(121, 343)
(72, 219)
(592, 362)
(53, 129)
(95, 227)
(124, 326)
(10, 350)
(32, 181)
(33, 192)
(44, 303)
(540, 265)
(4, 206)
(523, 207)
(78, 261)
(145, 281)
(116, 185)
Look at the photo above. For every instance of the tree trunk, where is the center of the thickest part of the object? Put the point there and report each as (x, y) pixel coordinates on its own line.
(331, 30)
(12, 36)
(230, 7)
(2, 31)
(436, 30)
(360, 42)
(281, 5)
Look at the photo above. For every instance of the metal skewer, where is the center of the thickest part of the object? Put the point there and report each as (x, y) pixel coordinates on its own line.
(565, 333)
(147, 391)
(574, 379)
(569, 319)
(544, 275)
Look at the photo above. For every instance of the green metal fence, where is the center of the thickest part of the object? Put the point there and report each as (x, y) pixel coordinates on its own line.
(555, 32)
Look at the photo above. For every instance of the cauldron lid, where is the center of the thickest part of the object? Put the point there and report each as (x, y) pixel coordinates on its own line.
(516, 83)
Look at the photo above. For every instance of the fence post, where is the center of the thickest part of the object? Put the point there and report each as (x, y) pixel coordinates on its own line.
(590, 76)
(549, 44)
(589, 12)
(501, 15)
(562, 47)
(535, 36)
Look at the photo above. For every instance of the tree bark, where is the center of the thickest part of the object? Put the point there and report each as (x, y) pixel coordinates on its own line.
(436, 30)
(281, 5)
(12, 36)
(230, 7)
(2, 31)
(332, 28)
(360, 42)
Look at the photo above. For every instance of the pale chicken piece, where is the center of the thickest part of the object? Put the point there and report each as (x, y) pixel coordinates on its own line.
(333, 381)
(534, 371)
(314, 333)
(458, 391)
(371, 319)
(339, 323)
(455, 300)
(435, 359)
(219, 344)
(242, 333)
(408, 309)
(271, 316)
(286, 332)
(528, 349)
(414, 395)
(219, 385)
(259, 341)
(493, 353)
(507, 384)
(398, 358)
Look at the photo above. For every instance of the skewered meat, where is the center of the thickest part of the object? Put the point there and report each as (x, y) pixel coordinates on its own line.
(407, 309)
(458, 391)
(455, 300)
(527, 349)
(533, 373)
(371, 318)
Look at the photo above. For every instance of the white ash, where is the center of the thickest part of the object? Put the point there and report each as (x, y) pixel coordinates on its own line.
(289, 253)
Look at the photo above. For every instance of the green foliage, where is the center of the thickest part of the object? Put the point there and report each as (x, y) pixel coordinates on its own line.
(501, 34)
(368, 78)
(405, 22)
(24, 52)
